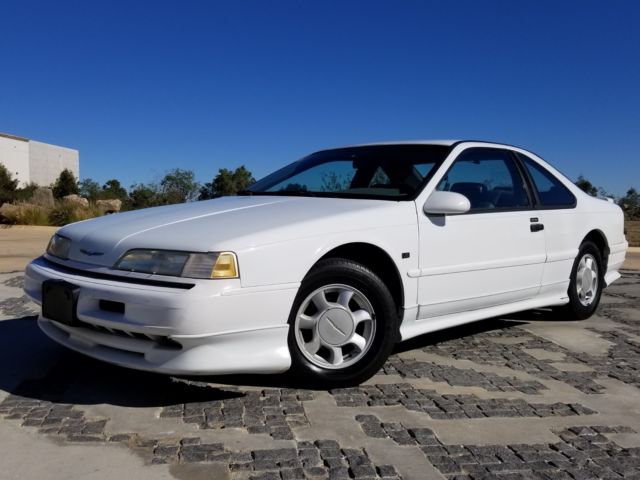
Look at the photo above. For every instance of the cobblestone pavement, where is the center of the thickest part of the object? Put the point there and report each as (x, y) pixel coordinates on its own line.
(525, 396)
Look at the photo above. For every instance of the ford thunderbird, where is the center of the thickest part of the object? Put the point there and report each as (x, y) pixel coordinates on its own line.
(323, 266)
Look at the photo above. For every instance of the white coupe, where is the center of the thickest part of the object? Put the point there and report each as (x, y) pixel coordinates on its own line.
(321, 267)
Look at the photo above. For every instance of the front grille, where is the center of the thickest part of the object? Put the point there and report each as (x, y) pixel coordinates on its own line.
(161, 340)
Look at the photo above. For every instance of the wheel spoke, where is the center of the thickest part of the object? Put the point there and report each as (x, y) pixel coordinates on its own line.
(307, 321)
(361, 316)
(335, 355)
(589, 263)
(345, 297)
(320, 301)
(359, 341)
(314, 345)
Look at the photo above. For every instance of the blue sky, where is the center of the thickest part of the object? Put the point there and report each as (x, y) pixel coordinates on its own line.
(142, 87)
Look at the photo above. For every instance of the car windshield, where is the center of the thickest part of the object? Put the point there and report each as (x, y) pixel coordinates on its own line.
(390, 172)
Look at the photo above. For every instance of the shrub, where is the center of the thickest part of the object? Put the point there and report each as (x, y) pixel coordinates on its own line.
(66, 184)
(66, 212)
(8, 185)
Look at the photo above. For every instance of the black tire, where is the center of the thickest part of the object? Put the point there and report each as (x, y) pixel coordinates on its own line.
(576, 309)
(346, 272)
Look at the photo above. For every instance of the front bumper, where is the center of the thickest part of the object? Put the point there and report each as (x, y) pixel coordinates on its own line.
(216, 327)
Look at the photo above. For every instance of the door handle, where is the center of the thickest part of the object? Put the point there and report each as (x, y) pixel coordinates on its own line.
(536, 227)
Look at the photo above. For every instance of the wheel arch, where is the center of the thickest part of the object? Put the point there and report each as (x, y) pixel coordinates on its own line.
(378, 260)
(600, 240)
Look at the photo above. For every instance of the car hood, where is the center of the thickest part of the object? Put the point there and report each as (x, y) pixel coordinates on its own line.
(227, 223)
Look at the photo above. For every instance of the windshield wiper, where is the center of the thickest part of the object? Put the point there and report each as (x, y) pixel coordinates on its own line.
(284, 193)
(297, 193)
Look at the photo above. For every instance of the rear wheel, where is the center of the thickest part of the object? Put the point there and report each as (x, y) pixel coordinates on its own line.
(586, 283)
(343, 324)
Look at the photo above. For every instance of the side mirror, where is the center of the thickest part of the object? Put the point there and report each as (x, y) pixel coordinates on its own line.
(446, 203)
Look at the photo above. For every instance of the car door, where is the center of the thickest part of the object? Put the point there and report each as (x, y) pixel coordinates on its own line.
(561, 224)
(492, 255)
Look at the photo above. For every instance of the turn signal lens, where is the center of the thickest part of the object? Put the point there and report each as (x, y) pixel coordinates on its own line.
(226, 266)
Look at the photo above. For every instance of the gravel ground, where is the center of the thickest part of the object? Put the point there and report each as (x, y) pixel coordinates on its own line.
(528, 396)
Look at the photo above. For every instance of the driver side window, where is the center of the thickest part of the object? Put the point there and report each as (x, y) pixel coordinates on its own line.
(489, 178)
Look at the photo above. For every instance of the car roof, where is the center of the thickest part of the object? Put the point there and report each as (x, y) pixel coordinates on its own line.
(448, 143)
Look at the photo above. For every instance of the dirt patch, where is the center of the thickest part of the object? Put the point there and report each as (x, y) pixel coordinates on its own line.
(632, 228)
(20, 244)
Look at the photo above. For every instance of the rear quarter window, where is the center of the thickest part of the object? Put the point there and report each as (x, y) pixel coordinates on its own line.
(551, 191)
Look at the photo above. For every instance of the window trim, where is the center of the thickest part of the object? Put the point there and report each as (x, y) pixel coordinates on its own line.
(531, 194)
(538, 204)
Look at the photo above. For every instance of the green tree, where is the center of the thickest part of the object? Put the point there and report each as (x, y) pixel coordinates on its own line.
(112, 189)
(8, 185)
(586, 186)
(334, 182)
(66, 184)
(143, 196)
(630, 204)
(90, 189)
(227, 182)
(178, 186)
(25, 194)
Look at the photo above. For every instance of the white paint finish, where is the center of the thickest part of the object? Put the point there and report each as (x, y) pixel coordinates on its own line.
(413, 329)
(477, 258)
(277, 239)
(14, 155)
(446, 203)
(460, 268)
(262, 351)
(202, 310)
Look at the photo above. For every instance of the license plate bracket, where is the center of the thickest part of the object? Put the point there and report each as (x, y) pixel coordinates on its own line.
(59, 301)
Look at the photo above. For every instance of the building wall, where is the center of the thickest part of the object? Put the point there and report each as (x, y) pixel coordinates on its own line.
(47, 161)
(14, 154)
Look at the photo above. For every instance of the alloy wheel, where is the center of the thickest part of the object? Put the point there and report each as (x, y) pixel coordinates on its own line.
(335, 326)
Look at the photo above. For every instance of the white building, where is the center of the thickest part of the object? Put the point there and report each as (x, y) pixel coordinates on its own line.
(36, 162)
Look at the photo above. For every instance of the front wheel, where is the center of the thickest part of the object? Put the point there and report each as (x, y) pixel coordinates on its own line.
(586, 283)
(343, 324)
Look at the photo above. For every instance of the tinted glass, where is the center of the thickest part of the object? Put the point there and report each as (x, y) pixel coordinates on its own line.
(489, 178)
(394, 172)
(551, 192)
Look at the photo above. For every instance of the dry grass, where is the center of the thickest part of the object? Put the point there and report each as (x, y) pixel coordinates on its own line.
(61, 214)
(33, 215)
(633, 232)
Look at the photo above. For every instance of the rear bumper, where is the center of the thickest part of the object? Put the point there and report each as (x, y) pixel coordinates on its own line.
(617, 255)
(212, 328)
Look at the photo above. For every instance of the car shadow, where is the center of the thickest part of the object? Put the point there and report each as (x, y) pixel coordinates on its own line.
(36, 367)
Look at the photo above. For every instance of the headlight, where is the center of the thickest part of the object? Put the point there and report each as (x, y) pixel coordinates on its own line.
(59, 246)
(180, 264)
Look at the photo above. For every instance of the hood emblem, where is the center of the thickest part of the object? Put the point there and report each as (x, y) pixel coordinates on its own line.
(91, 253)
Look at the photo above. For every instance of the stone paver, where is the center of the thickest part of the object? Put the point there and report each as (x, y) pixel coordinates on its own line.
(516, 397)
(582, 452)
